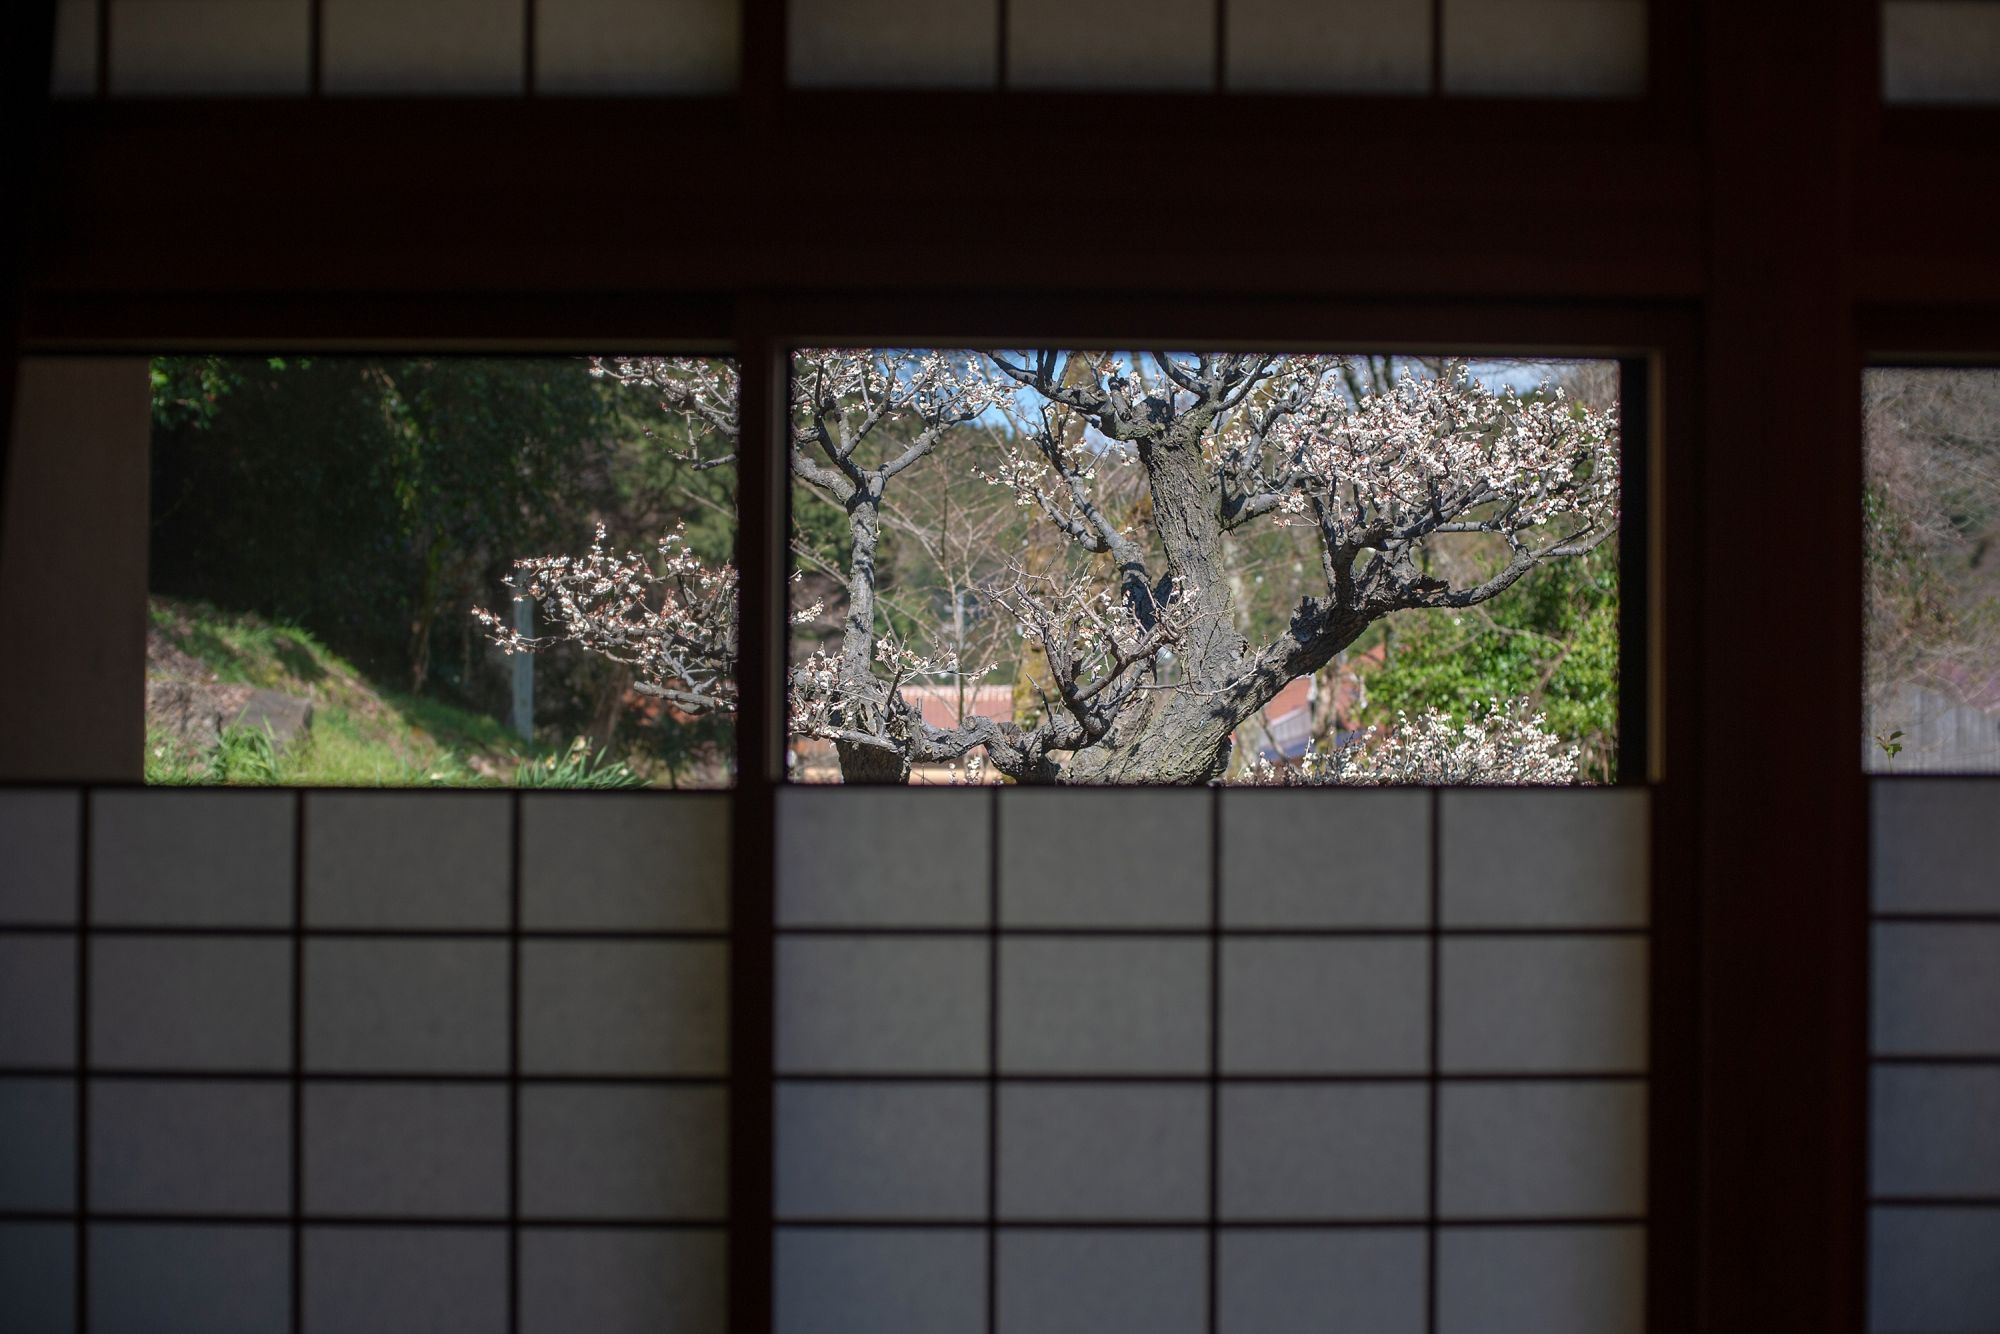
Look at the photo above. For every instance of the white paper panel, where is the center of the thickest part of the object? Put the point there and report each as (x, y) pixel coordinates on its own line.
(1350, 1281)
(1153, 45)
(1336, 46)
(464, 47)
(37, 1000)
(38, 848)
(1544, 1004)
(887, 1005)
(1932, 1270)
(1541, 1280)
(610, 1151)
(881, 1281)
(436, 1150)
(1935, 1131)
(401, 1281)
(1940, 51)
(207, 1147)
(1937, 990)
(1334, 1151)
(632, 47)
(623, 1282)
(609, 861)
(860, 856)
(1096, 1006)
(145, 1279)
(1325, 857)
(1084, 1282)
(37, 1144)
(73, 70)
(386, 859)
(891, 1151)
(624, 1007)
(1935, 845)
(1566, 857)
(416, 1006)
(893, 43)
(200, 1004)
(38, 1276)
(191, 858)
(230, 48)
(1103, 1151)
(1325, 1006)
(1082, 857)
(1541, 1150)
(1545, 48)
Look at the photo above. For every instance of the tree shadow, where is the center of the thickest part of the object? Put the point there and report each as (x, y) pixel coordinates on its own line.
(297, 659)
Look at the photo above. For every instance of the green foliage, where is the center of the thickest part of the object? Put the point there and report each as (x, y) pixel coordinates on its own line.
(245, 756)
(188, 391)
(168, 764)
(363, 505)
(366, 736)
(1552, 638)
(365, 496)
(651, 484)
(819, 531)
(578, 767)
(361, 735)
(245, 649)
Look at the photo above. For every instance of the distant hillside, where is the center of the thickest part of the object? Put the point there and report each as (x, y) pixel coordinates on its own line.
(206, 667)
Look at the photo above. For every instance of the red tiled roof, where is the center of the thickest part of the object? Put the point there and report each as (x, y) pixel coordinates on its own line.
(939, 704)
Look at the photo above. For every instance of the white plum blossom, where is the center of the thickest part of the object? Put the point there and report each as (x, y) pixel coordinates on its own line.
(1434, 455)
(1091, 637)
(670, 617)
(1506, 745)
(702, 391)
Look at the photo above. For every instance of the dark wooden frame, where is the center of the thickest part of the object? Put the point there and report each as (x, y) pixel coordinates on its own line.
(1757, 224)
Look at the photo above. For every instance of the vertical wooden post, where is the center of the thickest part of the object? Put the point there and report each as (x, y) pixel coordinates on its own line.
(760, 562)
(1782, 800)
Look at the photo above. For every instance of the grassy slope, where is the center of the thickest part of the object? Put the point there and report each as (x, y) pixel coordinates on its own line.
(362, 735)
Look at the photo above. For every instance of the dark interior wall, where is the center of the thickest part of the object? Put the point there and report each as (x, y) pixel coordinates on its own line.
(73, 570)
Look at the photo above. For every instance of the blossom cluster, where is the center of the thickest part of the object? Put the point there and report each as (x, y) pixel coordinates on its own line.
(702, 391)
(1089, 633)
(860, 388)
(1506, 745)
(1427, 451)
(824, 700)
(814, 700)
(671, 617)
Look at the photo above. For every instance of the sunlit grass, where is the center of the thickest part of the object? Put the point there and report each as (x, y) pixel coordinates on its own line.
(361, 736)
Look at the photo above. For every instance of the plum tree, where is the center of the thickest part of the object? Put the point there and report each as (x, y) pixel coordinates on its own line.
(1149, 671)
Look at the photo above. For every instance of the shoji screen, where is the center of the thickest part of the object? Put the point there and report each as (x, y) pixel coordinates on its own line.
(1055, 1060)
(466, 48)
(1934, 1170)
(338, 1060)
(1533, 48)
(1941, 51)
